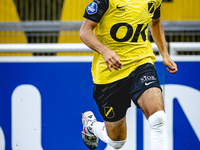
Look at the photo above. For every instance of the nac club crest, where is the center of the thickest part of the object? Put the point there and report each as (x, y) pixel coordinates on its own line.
(109, 112)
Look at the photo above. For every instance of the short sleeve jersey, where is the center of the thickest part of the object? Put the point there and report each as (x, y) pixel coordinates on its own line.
(123, 27)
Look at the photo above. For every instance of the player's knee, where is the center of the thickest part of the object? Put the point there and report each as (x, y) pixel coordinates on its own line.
(157, 121)
(116, 144)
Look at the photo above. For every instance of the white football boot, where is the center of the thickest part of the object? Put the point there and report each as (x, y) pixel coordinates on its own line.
(90, 140)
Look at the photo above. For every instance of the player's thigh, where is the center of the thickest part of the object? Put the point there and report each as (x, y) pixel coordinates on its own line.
(151, 101)
(117, 130)
(112, 99)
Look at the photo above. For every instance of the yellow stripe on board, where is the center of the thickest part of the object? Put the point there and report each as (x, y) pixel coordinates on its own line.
(181, 10)
(74, 54)
(8, 13)
(72, 10)
(15, 54)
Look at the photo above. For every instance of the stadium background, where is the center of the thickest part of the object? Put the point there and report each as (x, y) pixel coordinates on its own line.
(42, 23)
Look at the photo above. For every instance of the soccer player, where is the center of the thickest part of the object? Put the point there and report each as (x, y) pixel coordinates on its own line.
(123, 69)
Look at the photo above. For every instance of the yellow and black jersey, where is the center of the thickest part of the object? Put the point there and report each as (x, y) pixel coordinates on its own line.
(123, 27)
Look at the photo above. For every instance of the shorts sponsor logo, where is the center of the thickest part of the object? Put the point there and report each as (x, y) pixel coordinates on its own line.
(92, 8)
(109, 112)
(147, 78)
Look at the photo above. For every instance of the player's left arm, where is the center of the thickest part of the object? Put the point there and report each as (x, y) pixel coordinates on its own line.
(158, 35)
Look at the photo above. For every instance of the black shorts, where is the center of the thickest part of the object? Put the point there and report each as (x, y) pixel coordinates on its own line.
(114, 99)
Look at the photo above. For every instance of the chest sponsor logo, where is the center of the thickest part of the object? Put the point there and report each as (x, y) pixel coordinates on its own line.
(140, 30)
(92, 8)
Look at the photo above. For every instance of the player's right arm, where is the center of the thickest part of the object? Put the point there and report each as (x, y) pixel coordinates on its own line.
(88, 37)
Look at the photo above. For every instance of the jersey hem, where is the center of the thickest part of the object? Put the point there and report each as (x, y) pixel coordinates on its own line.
(128, 70)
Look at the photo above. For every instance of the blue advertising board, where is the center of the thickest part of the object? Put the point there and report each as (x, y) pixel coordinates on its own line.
(41, 105)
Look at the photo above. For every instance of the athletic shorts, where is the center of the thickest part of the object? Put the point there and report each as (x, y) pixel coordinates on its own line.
(114, 99)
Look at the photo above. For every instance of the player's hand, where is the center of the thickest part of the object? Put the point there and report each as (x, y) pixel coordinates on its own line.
(172, 67)
(112, 60)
